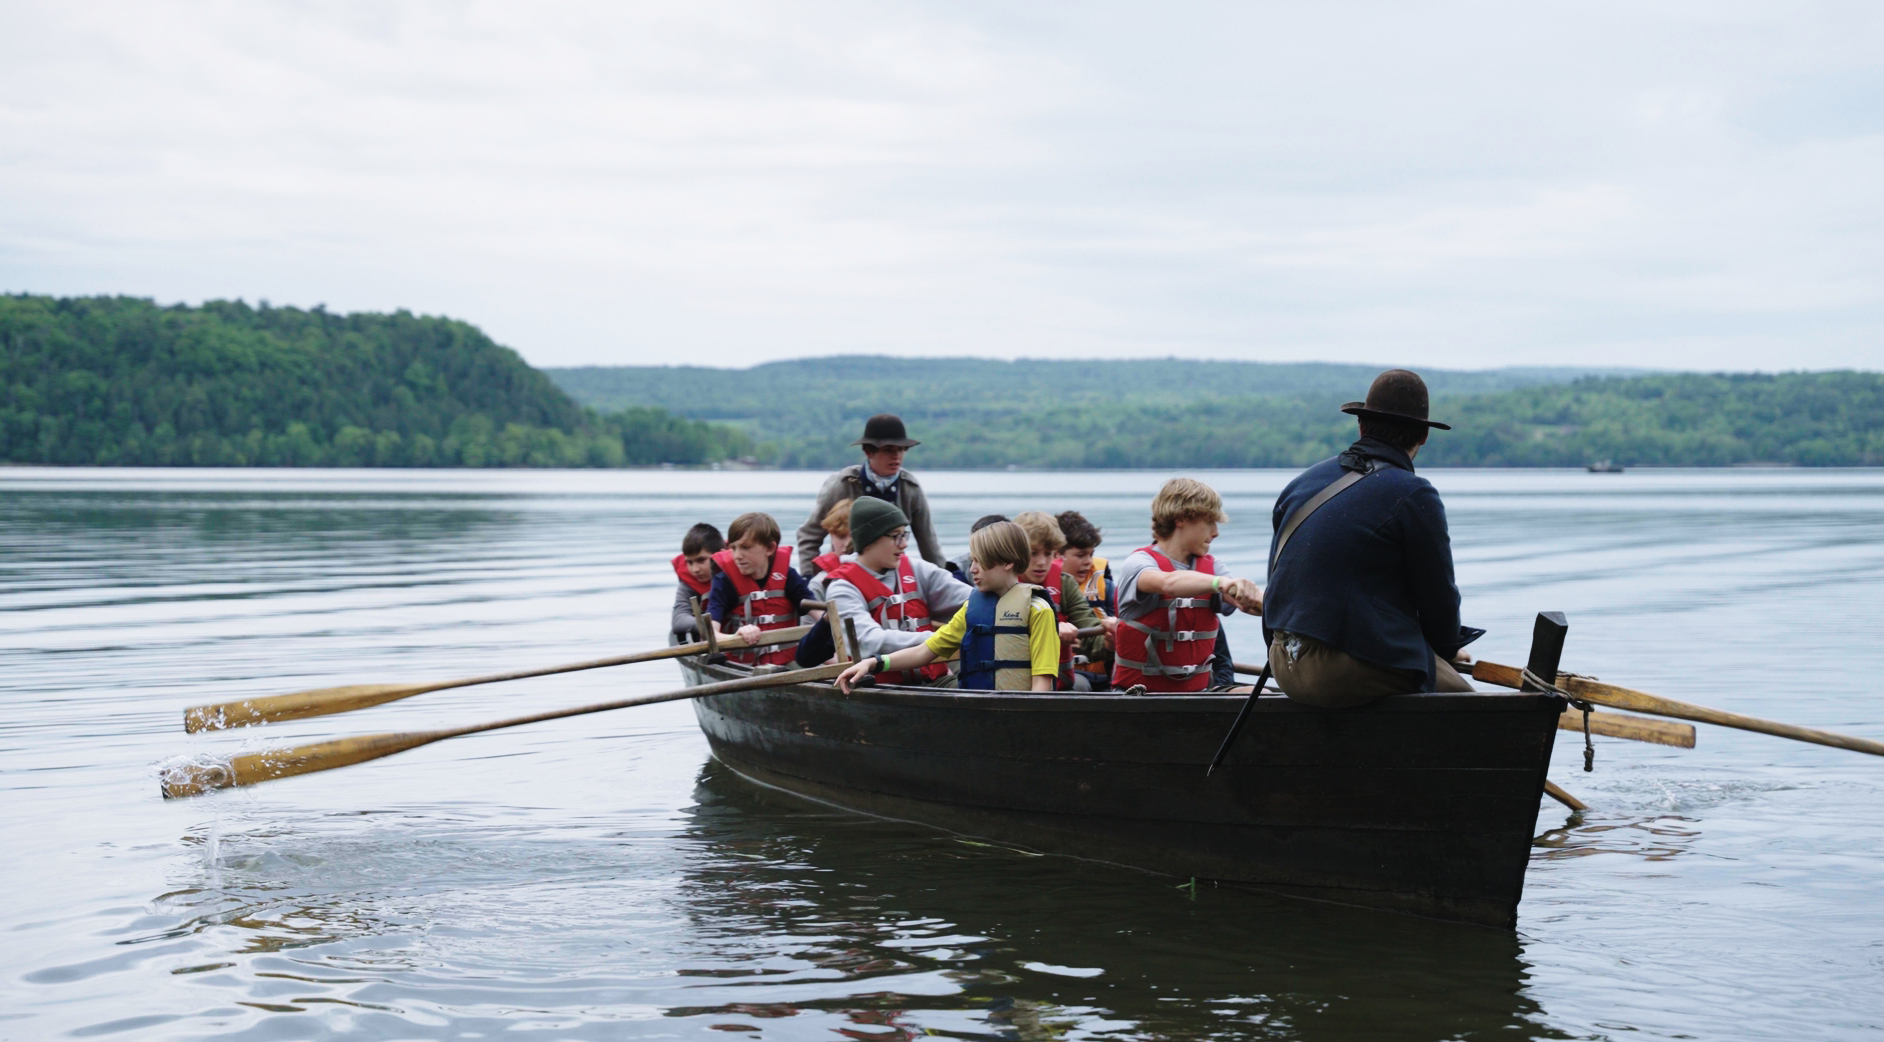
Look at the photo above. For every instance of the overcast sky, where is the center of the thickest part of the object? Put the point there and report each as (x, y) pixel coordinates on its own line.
(1682, 185)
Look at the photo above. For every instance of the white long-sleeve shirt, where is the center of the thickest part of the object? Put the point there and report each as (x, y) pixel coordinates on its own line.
(938, 586)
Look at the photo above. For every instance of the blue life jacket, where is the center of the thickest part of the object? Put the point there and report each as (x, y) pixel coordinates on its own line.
(981, 670)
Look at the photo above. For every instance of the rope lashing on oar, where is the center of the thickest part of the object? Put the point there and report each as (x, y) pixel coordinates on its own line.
(1589, 747)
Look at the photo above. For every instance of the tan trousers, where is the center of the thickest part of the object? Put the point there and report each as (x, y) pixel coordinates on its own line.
(1326, 677)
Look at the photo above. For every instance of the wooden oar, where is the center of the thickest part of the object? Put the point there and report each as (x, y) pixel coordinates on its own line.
(1634, 728)
(1555, 792)
(1610, 725)
(198, 778)
(324, 701)
(1598, 693)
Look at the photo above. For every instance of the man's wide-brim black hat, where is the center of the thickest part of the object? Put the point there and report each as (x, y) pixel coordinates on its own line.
(1397, 394)
(886, 429)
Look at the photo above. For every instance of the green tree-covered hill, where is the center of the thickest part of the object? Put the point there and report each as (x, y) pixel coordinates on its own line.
(1033, 412)
(1174, 414)
(1675, 419)
(114, 380)
(117, 380)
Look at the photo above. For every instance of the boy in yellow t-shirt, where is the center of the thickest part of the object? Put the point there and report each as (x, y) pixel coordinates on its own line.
(1015, 641)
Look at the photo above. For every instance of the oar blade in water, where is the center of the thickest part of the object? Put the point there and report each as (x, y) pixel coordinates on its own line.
(298, 705)
(195, 779)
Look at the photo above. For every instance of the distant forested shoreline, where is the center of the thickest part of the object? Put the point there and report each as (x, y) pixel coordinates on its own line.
(123, 381)
(973, 413)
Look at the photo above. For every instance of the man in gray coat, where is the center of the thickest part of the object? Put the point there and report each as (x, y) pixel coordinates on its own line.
(879, 476)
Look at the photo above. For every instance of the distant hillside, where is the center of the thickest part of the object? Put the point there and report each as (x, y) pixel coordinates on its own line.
(1174, 414)
(984, 413)
(117, 380)
(1675, 419)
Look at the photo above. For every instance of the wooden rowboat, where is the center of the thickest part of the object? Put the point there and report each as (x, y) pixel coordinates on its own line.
(1422, 803)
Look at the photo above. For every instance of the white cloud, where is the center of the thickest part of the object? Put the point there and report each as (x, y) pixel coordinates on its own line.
(1684, 185)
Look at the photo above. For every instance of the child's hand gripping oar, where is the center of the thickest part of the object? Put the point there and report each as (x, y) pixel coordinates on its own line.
(324, 701)
(198, 778)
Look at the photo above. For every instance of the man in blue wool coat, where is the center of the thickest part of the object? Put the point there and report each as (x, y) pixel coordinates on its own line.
(1361, 600)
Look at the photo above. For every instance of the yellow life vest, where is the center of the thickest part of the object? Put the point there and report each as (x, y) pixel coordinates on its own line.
(1016, 606)
(1094, 588)
(997, 654)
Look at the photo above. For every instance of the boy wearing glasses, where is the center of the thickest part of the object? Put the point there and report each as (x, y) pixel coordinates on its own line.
(893, 597)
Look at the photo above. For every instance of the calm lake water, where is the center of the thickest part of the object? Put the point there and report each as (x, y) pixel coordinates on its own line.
(601, 878)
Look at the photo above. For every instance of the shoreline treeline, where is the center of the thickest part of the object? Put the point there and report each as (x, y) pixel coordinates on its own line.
(973, 413)
(123, 381)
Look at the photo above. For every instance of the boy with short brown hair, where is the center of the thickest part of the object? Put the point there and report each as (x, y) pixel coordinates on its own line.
(1093, 575)
(1049, 573)
(756, 589)
(694, 567)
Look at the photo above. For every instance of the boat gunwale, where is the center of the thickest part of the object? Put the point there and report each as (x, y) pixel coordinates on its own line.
(1114, 701)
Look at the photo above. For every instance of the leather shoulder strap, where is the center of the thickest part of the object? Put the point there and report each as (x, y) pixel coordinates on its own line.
(1347, 480)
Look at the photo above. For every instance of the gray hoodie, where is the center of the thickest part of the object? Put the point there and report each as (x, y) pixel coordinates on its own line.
(849, 483)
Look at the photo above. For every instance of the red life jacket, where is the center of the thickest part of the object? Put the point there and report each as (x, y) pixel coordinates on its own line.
(1177, 656)
(701, 588)
(899, 609)
(763, 606)
(826, 562)
(1054, 592)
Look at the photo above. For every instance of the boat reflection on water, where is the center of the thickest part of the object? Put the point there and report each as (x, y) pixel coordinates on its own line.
(930, 933)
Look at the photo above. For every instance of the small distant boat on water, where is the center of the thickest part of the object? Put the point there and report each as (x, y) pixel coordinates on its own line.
(1603, 466)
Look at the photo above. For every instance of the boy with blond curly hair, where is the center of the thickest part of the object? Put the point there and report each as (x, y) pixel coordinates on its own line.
(1171, 594)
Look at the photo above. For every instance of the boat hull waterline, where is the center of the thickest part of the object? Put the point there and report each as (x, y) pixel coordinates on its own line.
(1425, 804)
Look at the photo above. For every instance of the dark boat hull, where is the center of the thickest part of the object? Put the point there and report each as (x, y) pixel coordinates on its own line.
(1417, 803)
